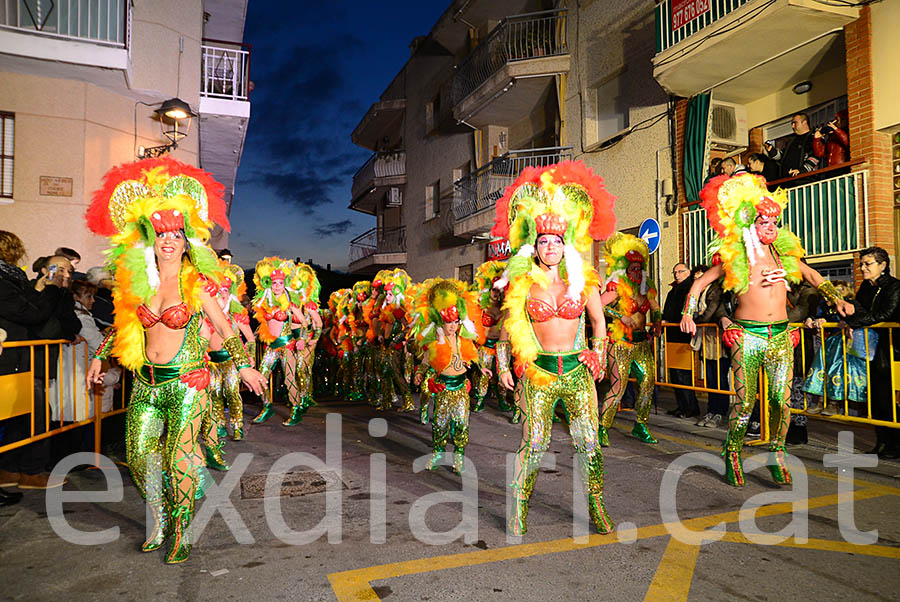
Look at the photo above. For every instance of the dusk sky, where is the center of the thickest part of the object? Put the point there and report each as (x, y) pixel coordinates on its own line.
(316, 72)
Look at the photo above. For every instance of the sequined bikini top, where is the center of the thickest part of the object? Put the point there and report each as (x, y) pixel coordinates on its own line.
(278, 314)
(175, 317)
(541, 311)
(487, 320)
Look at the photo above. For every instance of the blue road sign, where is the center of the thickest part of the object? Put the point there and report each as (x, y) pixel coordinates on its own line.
(649, 231)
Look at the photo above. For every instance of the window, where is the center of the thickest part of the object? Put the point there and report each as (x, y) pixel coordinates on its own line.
(7, 138)
(465, 273)
(433, 200)
(606, 113)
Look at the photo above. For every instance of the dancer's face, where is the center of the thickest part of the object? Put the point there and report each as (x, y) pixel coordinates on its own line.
(767, 229)
(550, 249)
(169, 245)
(451, 328)
(634, 271)
(277, 286)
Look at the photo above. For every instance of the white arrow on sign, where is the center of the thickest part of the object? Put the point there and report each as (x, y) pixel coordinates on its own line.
(648, 235)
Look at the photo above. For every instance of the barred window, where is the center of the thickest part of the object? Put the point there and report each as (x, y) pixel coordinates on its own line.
(7, 136)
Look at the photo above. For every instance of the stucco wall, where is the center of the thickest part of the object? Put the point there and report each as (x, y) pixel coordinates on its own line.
(885, 55)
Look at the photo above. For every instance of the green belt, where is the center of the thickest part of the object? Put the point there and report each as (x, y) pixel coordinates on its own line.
(558, 363)
(298, 332)
(219, 356)
(766, 330)
(453, 383)
(491, 343)
(158, 374)
(280, 342)
(638, 336)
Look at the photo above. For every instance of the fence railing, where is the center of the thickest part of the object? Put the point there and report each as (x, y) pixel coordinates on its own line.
(382, 164)
(226, 70)
(516, 38)
(829, 216)
(385, 240)
(101, 21)
(481, 189)
(690, 18)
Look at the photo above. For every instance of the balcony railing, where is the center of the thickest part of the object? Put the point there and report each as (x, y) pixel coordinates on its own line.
(386, 240)
(226, 70)
(691, 17)
(829, 216)
(517, 38)
(384, 164)
(101, 21)
(481, 189)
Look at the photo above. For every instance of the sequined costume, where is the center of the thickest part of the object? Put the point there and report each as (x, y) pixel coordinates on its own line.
(392, 323)
(137, 203)
(490, 300)
(304, 290)
(451, 329)
(568, 202)
(630, 351)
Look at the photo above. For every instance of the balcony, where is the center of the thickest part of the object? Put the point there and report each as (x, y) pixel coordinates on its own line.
(829, 216)
(476, 194)
(507, 74)
(381, 171)
(383, 119)
(92, 33)
(378, 249)
(710, 44)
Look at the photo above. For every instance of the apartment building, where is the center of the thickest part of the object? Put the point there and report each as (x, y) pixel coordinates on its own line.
(762, 61)
(82, 88)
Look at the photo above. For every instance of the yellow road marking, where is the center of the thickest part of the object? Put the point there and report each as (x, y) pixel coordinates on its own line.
(826, 545)
(673, 577)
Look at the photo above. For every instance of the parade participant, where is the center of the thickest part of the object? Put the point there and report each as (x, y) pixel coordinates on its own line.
(158, 213)
(630, 302)
(490, 300)
(274, 311)
(415, 355)
(393, 323)
(381, 397)
(224, 385)
(452, 330)
(758, 261)
(550, 214)
(304, 289)
(361, 359)
(325, 357)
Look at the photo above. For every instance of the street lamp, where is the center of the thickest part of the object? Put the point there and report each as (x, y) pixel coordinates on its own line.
(174, 116)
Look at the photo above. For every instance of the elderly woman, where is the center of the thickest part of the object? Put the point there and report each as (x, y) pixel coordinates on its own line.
(158, 213)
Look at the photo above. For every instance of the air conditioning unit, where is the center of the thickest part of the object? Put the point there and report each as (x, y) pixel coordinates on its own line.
(728, 126)
(394, 197)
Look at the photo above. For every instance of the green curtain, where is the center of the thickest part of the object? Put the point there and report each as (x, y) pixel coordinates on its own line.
(696, 146)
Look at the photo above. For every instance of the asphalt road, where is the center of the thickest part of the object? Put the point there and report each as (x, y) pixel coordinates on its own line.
(384, 538)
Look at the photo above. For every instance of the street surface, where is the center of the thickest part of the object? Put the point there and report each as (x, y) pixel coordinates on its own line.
(641, 561)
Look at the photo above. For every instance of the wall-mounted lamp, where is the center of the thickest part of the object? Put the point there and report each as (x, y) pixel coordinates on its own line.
(174, 116)
(802, 87)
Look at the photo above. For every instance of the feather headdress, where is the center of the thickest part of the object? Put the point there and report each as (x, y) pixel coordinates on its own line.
(619, 251)
(446, 300)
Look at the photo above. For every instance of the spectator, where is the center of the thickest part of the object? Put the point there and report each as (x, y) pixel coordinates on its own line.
(797, 156)
(764, 166)
(23, 307)
(225, 254)
(831, 142)
(102, 309)
(685, 398)
(74, 258)
(715, 169)
(712, 310)
(878, 300)
(731, 168)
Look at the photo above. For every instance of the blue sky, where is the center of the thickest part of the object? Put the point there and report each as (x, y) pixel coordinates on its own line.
(316, 72)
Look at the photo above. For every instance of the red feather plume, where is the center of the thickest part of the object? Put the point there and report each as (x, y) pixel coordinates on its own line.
(709, 199)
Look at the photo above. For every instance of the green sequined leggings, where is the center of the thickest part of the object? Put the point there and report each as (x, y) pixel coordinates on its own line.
(289, 365)
(393, 378)
(622, 360)
(768, 346)
(450, 422)
(577, 392)
(225, 391)
(162, 426)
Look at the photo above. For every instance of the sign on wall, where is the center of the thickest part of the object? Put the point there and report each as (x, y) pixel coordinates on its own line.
(685, 11)
(498, 249)
(56, 186)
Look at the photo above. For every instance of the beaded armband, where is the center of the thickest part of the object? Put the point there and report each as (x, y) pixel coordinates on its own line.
(690, 306)
(106, 346)
(503, 348)
(656, 316)
(829, 292)
(612, 313)
(251, 348)
(237, 352)
(317, 332)
(598, 345)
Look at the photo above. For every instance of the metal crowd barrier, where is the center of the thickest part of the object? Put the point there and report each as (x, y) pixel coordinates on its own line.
(70, 392)
(677, 355)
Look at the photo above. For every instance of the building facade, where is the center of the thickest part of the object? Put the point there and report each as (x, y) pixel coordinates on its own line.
(79, 86)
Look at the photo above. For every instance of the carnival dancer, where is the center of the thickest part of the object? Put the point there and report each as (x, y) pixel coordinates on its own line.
(338, 303)
(274, 311)
(304, 291)
(360, 293)
(158, 213)
(550, 215)
(382, 396)
(449, 341)
(224, 383)
(325, 357)
(393, 323)
(630, 303)
(758, 260)
(490, 300)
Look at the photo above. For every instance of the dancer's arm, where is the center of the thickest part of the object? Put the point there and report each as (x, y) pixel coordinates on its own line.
(232, 343)
(687, 315)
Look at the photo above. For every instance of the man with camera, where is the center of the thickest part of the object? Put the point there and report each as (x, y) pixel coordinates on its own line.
(797, 156)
